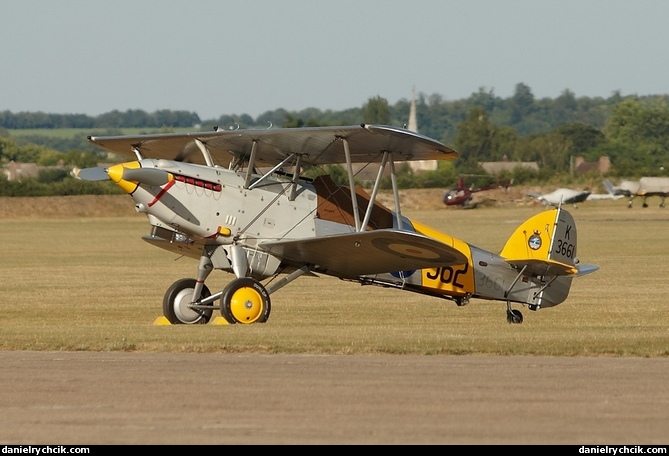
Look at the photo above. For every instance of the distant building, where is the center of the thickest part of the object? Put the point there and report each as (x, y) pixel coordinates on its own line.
(601, 166)
(16, 171)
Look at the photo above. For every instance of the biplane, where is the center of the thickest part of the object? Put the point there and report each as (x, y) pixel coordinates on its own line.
(239, 201)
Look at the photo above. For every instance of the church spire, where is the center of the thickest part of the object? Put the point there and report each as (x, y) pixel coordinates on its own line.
(413, 123)
(420, 165)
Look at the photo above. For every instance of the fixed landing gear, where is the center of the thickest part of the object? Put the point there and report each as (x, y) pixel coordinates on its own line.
(243, 300)
(246, 301)
(513, 316)
(177, 303)
(462, 300)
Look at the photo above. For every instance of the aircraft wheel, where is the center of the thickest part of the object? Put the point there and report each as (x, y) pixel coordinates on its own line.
(514, 316)
(176, 301)
(245, 300)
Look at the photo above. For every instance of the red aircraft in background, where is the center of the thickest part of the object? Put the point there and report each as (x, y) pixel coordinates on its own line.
(462, 195)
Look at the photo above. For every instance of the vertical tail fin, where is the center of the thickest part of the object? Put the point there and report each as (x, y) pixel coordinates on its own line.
(609, 187)
(549, 235)
(545, 246)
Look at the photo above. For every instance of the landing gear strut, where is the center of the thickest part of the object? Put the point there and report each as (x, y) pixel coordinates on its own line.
(513, 316)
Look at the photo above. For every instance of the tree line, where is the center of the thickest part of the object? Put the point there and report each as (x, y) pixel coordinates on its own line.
(132, 118)
(632, 131)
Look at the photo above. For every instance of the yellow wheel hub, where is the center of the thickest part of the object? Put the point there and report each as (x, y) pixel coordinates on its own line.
(246, 305)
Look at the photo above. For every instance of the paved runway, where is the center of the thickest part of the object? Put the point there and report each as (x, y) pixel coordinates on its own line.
(81, 398)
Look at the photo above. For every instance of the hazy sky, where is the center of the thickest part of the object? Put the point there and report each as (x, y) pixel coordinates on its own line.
(218, 57)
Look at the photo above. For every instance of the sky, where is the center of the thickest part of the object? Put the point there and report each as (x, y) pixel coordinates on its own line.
(220, 57)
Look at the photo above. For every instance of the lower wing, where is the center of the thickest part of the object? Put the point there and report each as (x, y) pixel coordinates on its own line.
(352, 255)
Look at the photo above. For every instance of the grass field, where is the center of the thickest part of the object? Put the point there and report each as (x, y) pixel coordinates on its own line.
(91, 283)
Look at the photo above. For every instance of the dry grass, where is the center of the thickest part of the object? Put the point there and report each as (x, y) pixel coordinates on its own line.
(77, 276)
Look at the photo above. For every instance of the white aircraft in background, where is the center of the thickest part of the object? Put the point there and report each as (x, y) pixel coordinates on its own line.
(562, 196)
(644, 188)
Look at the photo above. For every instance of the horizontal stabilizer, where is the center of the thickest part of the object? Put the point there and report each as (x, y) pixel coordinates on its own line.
(586, 269)
(370, 252)
(539, 267)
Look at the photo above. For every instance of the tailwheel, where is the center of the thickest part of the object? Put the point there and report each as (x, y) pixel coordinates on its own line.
(177, 301)
(514, 316)
(245, 300)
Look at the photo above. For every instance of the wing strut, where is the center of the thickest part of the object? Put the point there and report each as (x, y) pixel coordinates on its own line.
(377, 183)
(138, 154)
(252, 163)
(296, 176)
(386, 160)
(396, 194)
(205, 152)
(262, 178)
(351, 184)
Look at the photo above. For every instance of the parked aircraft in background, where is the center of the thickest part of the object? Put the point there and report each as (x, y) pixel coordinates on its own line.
(643, 188)
(562, 196)
(462, 195)
(206, 197)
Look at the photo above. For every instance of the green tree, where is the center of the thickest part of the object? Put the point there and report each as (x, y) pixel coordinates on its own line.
(292, 121)
(553, 151)
(80, 158)
(8, 149)
(521, 103)
(474, 138)
(376, 111)
(643, 130)
(584, 138)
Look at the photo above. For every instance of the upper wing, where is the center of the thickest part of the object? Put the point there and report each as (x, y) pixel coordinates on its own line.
(370, 252)
(317, 145)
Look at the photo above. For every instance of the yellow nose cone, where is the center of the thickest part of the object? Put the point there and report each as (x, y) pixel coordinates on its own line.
(115, 173)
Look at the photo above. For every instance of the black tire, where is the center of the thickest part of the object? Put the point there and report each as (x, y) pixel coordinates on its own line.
(176, 300)
(246, 301)
(514, 316)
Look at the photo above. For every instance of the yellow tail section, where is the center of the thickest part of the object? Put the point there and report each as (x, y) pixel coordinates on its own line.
(531, 240)
(549, 235)
(545, 246)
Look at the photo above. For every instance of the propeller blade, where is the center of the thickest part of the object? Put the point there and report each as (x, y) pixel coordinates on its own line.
(148, 176)
(92, 174)
(117, 173)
